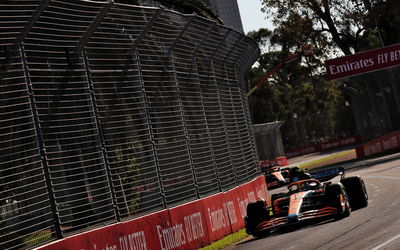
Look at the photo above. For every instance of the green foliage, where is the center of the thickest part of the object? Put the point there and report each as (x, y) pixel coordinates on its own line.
(299, 93)
(129, 172)
(345, 26)
(36, 238)
(385, 18)
(227, 241)
(339, 24)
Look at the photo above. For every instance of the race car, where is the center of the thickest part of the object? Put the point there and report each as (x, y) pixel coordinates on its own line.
(275, 176)
(306, 200)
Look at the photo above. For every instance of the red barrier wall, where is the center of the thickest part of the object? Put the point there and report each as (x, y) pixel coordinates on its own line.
(234, 198)
(282, 161)
(382, 144)
(218, 223)
(190, 221)
(261, 188)
(350, 140)
(146, 232)
(188, 226)
(135, 234)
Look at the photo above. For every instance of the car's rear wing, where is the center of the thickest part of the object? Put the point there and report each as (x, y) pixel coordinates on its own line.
(327, 174)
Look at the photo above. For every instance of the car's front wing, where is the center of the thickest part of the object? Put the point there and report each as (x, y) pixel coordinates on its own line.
(279, 222)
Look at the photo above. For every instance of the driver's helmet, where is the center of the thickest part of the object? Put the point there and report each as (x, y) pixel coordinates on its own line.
(275, 168)
(303, 186)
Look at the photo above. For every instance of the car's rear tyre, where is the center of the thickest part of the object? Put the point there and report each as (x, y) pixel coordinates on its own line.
(356, 191)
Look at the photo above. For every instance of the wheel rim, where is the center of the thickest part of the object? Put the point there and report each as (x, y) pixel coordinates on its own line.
(343, 203)
(364, 190)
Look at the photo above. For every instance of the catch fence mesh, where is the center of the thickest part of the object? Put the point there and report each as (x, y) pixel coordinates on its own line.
(111, 111)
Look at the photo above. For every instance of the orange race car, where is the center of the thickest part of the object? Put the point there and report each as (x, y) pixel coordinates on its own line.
(275, 176)
(306, 200)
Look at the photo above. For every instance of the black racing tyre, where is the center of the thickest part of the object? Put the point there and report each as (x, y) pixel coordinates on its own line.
(295, 170)
(304, 176)
(260, 234)
(256, 213)
(337, 197)
(356, 191)
(256, 209)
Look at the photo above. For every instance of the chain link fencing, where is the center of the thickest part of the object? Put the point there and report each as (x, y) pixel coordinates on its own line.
(269, 140)
(110, 111)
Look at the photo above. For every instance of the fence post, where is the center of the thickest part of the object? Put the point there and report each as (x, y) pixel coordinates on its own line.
(232, 100)
(203, 40)
(386, 111)
(146, 29)
(249, 125)
(39, 135)
(32, 21)
(100, 134)
(235, 115)
(249, 117)
(185, 131)
(194, 62)
(136, 57)
(82, 50)
(393, 84)
(233, 108)
(153, 143)
(221, 43)
(99, 17)
(169, 52)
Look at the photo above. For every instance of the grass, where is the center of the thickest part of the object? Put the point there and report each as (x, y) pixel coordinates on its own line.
(311, 163)
(227, 241)
(36, 238)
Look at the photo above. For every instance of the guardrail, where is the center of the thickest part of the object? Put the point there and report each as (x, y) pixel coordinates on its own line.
(111, 111)
(190, 226)
(347, 141)
(384, 144)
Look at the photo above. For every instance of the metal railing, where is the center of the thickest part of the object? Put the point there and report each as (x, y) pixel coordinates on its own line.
(110, 111)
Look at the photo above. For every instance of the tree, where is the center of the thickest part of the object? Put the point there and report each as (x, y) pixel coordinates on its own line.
(342, 23)
(299, 93)
(333, 27)
(386, 16)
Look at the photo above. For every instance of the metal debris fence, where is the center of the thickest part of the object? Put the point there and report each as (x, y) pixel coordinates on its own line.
(111, 111)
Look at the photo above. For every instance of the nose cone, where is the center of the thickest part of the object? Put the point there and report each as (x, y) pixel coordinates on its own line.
(279, 177)
(293, 218)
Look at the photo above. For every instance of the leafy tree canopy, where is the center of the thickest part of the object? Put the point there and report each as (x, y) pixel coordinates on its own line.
(341, 23)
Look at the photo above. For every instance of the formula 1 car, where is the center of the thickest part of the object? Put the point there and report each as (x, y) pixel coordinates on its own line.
(306, 200)
(277, 177)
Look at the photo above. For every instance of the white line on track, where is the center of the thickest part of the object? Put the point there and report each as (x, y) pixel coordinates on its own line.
(383, 177)
(386, 242)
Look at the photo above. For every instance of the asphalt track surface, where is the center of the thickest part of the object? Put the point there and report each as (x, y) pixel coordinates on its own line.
(374, 227)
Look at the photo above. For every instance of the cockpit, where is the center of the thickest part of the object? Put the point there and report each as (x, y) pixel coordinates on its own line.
(304, 186)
